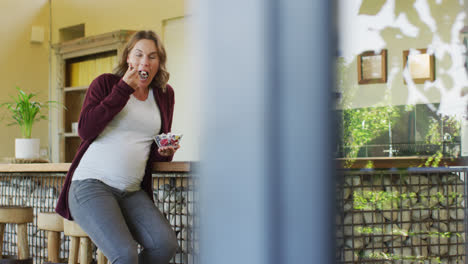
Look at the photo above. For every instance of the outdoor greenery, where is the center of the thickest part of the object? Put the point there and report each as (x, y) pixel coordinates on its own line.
(420, 130)
(361, 125)
(25, 111)
(384, 200)
(390, 256)
(365, 126)
(440, 132)
(402, 232)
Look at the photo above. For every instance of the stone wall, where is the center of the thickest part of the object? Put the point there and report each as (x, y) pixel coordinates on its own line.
(402, 217)
(174, 195)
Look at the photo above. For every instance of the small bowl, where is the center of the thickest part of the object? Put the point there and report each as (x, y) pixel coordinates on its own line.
(168, 140)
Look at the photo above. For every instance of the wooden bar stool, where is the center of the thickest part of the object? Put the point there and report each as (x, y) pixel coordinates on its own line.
(20, 216)
(80, 243)
(53, 224)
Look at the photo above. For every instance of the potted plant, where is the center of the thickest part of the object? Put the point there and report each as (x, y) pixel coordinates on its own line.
(25, 112)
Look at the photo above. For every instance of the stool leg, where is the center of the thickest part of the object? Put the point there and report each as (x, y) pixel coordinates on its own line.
(53, 246)
(90, 251)
(73, 251)
(101, 259)
(23, 246)
(2, 230)
(85, 249)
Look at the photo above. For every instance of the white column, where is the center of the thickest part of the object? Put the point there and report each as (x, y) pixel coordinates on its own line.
(266, 184)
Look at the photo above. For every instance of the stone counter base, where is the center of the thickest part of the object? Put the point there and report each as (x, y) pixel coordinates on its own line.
(174, 195)
(401, 216)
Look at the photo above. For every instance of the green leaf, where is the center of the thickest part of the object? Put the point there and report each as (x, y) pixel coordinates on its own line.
(24, 111)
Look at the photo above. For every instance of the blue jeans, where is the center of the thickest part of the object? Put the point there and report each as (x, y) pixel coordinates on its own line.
(117, 220)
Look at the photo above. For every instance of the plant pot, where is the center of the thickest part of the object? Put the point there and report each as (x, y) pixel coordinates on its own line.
(27, 148)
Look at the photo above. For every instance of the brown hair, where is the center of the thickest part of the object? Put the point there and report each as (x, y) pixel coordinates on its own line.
(162, 76)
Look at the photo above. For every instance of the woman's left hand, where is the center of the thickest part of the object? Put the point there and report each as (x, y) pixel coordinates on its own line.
(167, 151)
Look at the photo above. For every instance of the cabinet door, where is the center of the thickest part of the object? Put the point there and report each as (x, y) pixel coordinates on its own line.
(80, 72)
(79, 62)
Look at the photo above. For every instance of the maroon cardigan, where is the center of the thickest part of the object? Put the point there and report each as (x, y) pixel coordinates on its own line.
(106, 97)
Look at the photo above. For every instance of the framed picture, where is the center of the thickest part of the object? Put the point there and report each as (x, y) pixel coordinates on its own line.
(420, 65)
(372, 67)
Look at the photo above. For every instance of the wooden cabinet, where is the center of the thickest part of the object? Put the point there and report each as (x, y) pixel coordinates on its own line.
(78, 63)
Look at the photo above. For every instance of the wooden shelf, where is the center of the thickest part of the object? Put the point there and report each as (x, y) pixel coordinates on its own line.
(75, 89)
(79, 62)
(67, 134)
(92, 44)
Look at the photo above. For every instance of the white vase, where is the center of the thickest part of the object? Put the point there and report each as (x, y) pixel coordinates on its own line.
(27, 148)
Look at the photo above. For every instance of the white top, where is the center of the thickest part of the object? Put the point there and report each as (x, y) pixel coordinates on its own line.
(119, 154)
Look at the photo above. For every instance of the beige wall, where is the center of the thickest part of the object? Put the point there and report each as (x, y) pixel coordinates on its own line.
(181, 64)
(108, 15)
(27, 65)
(23, 64)
(396, 38)
(105, 16)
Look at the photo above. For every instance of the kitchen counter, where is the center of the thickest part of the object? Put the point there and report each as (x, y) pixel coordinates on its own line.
(175, 166)
(38, 185)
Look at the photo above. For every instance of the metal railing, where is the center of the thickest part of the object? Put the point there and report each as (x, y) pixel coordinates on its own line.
(402, 216)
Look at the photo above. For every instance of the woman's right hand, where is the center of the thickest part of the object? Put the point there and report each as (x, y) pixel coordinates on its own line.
(131, 77)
